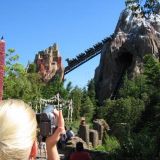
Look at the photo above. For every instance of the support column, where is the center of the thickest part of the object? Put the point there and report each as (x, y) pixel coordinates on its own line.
(2, 64)
(84, 133)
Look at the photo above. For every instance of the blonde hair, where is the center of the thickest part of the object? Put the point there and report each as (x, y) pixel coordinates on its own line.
(17, 130)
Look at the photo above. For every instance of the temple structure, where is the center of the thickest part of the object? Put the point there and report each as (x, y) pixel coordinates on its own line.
(49, 63)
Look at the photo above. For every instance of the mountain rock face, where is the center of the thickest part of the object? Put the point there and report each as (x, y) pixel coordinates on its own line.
(134, 37)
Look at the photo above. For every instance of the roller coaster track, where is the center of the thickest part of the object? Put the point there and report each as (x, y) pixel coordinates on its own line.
(76, 65)
(86, 56)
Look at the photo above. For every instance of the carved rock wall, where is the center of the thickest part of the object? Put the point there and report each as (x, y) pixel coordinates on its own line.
(49, 63)
(134, 37)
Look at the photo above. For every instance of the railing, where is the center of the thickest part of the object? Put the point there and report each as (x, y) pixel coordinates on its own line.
(86, 56)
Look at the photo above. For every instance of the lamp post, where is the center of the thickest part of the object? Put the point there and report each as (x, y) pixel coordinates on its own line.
(2, 64)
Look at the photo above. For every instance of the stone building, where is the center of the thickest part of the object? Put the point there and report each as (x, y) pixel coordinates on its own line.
(49, 63)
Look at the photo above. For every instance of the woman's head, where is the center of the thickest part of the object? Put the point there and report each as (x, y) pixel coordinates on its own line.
(17, 130)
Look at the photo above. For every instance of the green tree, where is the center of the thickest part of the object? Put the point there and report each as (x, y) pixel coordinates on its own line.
(150, 6)
(150, 118)
(87, 108)
(69, 87)
(31, 68)
(91, 91)
(13, 72)
(136, 87)
(76, 95)
(53, 87)
(124, 110)
(152, 71)
(111, 145)
(12, 66)
(139, 146)
(17, 82)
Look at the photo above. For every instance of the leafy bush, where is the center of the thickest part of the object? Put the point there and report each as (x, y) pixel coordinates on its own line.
(111, 144)
(139, 147)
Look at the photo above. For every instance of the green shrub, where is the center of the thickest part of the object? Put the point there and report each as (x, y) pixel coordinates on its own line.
(111, 144)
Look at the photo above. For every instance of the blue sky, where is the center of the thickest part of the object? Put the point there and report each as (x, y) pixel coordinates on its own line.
(33, 25)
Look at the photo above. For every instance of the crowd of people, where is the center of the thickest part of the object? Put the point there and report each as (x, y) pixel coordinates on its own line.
(18, 134)
(68, 135)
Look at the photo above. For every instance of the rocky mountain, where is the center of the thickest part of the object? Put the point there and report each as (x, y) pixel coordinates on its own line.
(135, 36)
